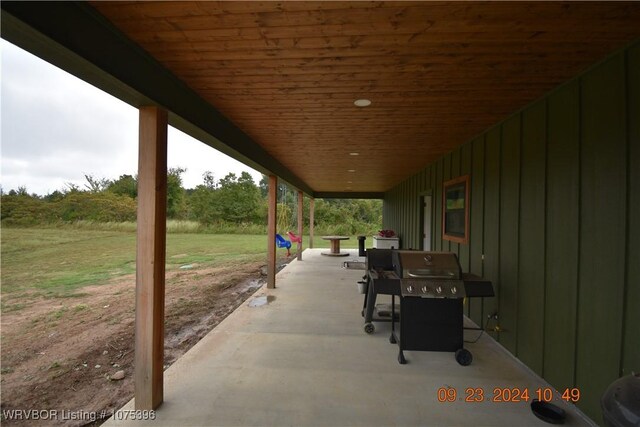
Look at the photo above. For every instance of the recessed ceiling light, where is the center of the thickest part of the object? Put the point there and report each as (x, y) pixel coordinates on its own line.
(354, 154)
(351, 170)
(362, 102)
(349, 182)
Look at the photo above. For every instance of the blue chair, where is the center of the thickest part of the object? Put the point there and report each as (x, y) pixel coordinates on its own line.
(281, 242)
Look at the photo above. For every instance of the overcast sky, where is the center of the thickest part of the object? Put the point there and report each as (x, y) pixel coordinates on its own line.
(56, 128)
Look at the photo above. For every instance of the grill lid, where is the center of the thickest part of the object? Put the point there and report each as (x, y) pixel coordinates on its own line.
(427, 265)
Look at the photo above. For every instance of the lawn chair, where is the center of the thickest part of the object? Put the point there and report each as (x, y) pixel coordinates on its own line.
(281, 242)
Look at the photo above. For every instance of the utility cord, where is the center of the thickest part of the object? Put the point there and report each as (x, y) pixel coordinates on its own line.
(486, 324)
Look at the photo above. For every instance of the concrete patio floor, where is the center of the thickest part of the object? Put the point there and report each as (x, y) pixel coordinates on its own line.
(303, 359)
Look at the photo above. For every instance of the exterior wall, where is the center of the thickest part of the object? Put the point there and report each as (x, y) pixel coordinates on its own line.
(555, 224)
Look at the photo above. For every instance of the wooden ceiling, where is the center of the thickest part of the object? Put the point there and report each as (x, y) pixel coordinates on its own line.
(437, 73)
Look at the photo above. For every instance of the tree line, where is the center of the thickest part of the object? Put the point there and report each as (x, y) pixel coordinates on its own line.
(230, 203)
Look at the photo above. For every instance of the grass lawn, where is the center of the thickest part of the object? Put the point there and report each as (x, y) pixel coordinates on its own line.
(58, 262)
(68, 306)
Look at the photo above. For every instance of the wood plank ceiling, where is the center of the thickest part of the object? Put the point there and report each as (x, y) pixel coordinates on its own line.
(437, 74)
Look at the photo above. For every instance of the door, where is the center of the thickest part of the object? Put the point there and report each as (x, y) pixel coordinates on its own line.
(426, 225)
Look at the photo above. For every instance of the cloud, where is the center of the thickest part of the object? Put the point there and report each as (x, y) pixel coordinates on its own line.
(56, 128)
(47, 111)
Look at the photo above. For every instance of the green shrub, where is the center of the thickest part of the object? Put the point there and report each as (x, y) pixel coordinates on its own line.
(96, 207)
(231, 205)
(24, 210)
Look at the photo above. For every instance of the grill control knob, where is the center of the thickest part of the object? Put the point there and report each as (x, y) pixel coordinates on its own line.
(439, 289)
(410, 289)
(424, 289)
(454, 290)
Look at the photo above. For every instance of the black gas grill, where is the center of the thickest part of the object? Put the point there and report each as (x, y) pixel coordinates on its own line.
(431, 288)
(431, 298)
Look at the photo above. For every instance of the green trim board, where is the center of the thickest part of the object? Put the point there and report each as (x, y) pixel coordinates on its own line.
(463, 250)
(476, 222)
(509, 231)
(465, 169)
(631, 347)
(491, 224)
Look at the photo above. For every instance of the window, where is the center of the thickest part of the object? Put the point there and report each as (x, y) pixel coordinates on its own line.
(455, 210)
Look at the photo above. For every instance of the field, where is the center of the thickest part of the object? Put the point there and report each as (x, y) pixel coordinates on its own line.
(68, 308)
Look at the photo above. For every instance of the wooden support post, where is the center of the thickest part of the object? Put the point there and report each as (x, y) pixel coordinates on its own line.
(271, 232)
(300, 222)
(311, 208)
(150, 258)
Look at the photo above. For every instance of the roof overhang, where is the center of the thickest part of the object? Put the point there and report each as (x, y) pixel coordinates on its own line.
(272, 84)
(42, 28)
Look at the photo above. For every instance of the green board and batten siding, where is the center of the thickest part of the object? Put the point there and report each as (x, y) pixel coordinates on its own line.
(603, 191)
(562, 218)
(531, 250)
(508, 232)
(491, 225)
(555, 224)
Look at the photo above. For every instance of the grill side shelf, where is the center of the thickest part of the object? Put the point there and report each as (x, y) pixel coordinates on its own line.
(476, 286)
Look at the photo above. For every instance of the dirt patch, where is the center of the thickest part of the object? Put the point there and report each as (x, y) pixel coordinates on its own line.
(61, 354)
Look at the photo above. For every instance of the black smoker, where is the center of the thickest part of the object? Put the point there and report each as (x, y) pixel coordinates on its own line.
(380, 279)
(431, 295)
